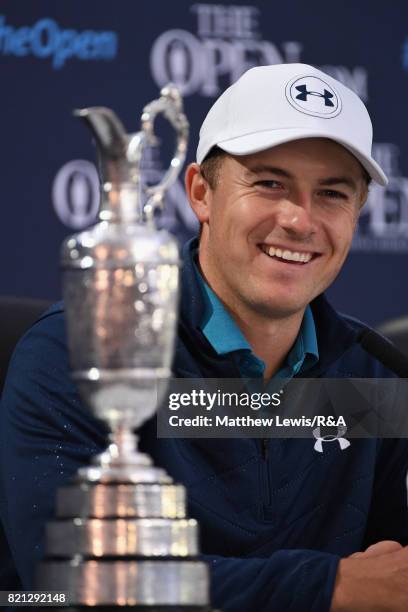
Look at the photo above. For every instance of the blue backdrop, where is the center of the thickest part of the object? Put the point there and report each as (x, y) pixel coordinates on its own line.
(57, 56)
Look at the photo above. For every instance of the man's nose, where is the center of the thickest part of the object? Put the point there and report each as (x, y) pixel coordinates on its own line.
(296, 216)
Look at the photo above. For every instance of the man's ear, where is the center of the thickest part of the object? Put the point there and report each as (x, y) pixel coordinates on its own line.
(364, 191)
(363, 195)
(198, 191)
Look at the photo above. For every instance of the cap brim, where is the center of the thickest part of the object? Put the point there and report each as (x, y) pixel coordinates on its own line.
(253, 143)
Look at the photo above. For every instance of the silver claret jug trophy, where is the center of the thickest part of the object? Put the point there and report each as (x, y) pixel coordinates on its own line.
(121, 537)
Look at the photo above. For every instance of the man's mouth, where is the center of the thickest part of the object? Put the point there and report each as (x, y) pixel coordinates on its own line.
(287, 255)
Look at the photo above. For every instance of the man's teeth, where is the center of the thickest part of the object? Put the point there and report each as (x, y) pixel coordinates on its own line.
(289, 255)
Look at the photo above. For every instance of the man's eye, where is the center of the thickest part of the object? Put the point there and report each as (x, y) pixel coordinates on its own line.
(269, 184)
(332, 193)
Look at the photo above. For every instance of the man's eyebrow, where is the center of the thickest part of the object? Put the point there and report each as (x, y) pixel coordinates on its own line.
(326, 182)
(339, 180)
(261, 168)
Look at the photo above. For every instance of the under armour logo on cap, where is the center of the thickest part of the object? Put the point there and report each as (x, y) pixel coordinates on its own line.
(320, 440)
(313, 96)
(327, 95)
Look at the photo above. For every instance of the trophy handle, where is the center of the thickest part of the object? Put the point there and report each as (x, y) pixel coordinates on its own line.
(171, 105)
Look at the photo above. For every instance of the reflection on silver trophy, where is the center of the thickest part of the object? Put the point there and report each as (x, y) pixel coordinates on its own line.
(121, 537)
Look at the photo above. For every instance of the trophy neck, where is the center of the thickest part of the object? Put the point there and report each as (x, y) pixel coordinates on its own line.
(121, 203)
(119, 163)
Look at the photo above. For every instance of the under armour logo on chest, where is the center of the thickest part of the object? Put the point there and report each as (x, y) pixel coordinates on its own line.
(327, 95)
(320, 440)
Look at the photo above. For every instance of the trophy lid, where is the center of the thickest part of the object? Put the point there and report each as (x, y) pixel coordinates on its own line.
(120, 156)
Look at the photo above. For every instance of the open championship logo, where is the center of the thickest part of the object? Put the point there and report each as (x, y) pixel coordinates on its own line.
(45, 39)
(383, 223)
(76, 193)
(228, 42)
(76, 196)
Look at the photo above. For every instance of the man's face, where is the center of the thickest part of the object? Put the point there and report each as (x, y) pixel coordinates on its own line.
(278, 225)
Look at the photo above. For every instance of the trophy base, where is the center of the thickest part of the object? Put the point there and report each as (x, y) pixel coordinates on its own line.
(127, 500)
(110, 581)
(121, 539)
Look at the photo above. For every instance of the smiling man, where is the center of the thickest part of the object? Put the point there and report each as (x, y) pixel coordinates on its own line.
(283, 168)
(276, 229)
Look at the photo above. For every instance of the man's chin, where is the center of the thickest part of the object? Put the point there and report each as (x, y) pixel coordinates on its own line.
(280, 308)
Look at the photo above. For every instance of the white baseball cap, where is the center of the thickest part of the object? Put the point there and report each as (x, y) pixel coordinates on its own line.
(270, 105)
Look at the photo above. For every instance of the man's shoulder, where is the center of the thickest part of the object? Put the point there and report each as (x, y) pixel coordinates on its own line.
(359, 361)
(54, 313)
(40, 352)
(353, 322)
(51, 321)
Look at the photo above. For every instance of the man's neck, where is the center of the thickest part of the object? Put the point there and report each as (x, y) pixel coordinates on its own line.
(270, 338)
